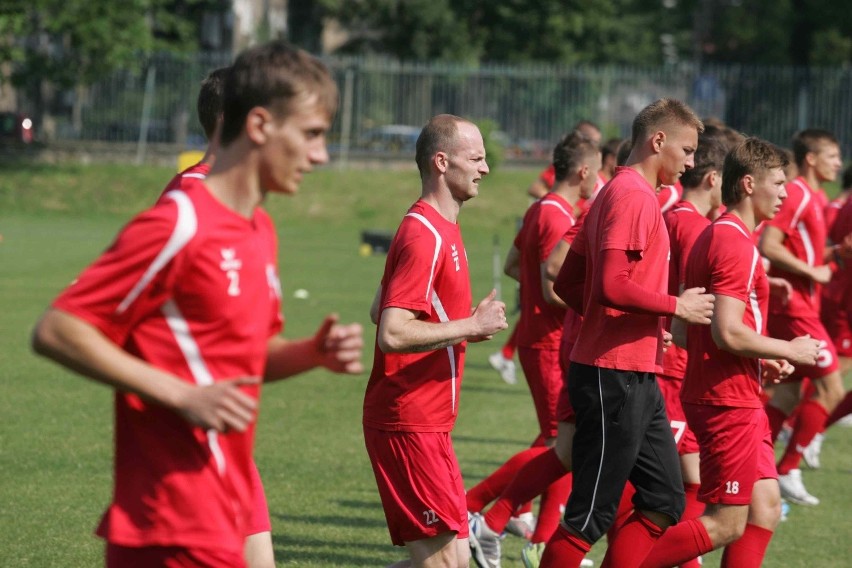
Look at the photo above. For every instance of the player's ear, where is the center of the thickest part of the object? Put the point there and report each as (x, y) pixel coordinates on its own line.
(658, 140)
(747, 183)
(441, 161)
(257, 121)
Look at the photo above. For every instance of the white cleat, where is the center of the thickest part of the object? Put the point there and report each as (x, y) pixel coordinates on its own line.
(793, 490)
(485, 545)
(506, 367)
(811, 453)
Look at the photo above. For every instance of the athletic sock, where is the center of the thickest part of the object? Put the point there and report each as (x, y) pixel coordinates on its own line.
(681, 543)
(625, 509)
(564, 550)
(492, 486)
(694, 509)
(550, 511)
(636, 538)
(844, 408)
(776, 420)
(508, 349)
(532, 480)
(748, 550)
(811, 421)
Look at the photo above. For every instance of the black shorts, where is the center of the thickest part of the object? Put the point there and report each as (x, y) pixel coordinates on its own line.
(622, 433)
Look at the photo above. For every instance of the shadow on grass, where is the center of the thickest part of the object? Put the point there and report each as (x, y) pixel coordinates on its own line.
(333, 520)
(321, 551)
(522, 442)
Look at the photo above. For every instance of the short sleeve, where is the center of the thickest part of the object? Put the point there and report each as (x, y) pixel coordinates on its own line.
(631, 222)
(133, 277)
(734, 271)
(410, 279)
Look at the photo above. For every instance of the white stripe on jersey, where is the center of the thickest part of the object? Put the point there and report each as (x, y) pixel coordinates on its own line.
(670, 201)
(752, 293)
(185, 227)
(429, 226)
(187, 345)
(555, 204)
(195, 175)
(806, 198)
(442, 316)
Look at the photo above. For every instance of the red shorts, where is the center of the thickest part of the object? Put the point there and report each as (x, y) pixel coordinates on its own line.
(836, 322)
(419, 482)
(735, 450)
(683, 435)
(259, 517)
(171, 557)
(544, 376)
(782, 327)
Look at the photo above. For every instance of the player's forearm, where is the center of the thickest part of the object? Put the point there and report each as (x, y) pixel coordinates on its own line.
(286, 358)
(741, 340)
(80, 347)
(416, 336)
(783, 259)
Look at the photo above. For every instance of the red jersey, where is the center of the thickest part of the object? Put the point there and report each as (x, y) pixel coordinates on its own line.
(684, 224)
(833, 208)
(197, 171)
(548, 178)
(426, 272)
(540, 324)
(725, 261)
(669, 195)
(803, 224)
(192, 288)
(625, 216)
(572, 321)
(838, 290)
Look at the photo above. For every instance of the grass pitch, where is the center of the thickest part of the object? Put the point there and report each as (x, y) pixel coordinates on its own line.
(56, 443)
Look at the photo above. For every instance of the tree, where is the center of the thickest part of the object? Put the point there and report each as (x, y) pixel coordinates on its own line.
(64, 44)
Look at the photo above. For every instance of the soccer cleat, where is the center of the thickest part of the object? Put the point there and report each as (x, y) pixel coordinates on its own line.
(793, 490)
(522, 526)
(484, 543)
(506, 367)
(533, 551)
(531, 554)
(785, 509)
(811, 453)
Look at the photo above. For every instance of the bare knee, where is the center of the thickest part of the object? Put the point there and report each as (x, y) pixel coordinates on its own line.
(725, 523)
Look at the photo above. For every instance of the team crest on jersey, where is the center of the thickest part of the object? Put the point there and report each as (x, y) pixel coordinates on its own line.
(231, 265)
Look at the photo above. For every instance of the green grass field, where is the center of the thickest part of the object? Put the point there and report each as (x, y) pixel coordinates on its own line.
(55, 444)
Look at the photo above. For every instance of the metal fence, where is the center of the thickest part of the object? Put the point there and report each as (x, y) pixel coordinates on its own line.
(384, 102)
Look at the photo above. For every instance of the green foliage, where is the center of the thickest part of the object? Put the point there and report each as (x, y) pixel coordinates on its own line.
(495, 144)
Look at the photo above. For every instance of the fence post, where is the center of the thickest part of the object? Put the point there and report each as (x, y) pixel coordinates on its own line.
(147, 102)
(346, 118)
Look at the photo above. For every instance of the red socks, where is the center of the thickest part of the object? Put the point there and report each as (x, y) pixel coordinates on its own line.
(748, 550)
(508, 349)
(531, 480)
(811, 421)
(776, 420)
(625, 509)
(493, 486)
(683, 542)
(636, 538)
(550, 511)
(844, 408)
(564, 550)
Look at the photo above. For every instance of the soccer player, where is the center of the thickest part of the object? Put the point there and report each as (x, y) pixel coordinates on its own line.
(544, 181)
(794, 241)
(702, 193)
(423, 312)
(181, 317)
(618, 271)
(721, 391)
(577, 161)
(259, 552)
